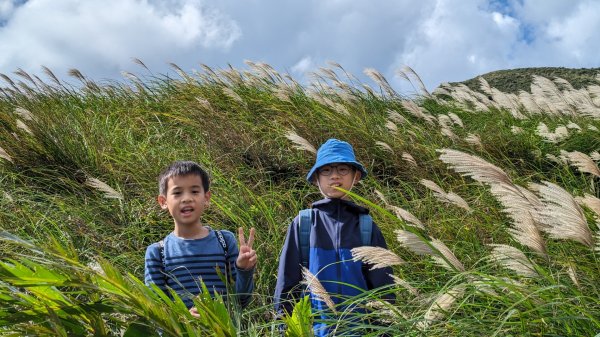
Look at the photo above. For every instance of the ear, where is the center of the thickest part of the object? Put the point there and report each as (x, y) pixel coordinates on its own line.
(162, 201)
(207, 195)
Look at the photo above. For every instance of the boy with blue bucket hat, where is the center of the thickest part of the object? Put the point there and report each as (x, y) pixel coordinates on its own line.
(321, 239)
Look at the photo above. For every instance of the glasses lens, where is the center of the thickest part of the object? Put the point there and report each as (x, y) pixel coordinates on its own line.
(343, 169)
(326, 170)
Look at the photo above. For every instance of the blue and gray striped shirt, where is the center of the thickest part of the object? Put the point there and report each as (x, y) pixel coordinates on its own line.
(188, 261)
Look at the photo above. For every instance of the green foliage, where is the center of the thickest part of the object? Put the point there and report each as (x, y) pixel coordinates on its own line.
(72, 254)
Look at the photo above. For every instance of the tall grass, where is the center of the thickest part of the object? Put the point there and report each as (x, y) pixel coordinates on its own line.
(490, 217)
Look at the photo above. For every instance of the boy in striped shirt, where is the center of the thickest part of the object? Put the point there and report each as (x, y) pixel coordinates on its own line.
(194, 251)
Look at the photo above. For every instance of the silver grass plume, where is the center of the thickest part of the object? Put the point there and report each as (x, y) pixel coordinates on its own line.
(233, 95)
(414, 291)
(108, 191)
(378, 78)
(473, 139)
(593, 128)
(450, 198)
(413, 243)
(449, 260)
(595, 155)
(474, 167)
(384, 146)
(513, 259)
(590, 202)
(521, 206)
(5, 155)
(24, 113)
(391, 127)
(583, 162)
(561, 214)
(299, 142)
(377, 256)
(516, 130)
(396, 117)
(407, 157)
(444, 121)
(573, 275)
(441, 305)
(406, 72)
(574, 126)
(23, 127)
(407, 216)
(317, 289)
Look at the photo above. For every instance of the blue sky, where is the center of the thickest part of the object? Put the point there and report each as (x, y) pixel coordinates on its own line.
(442, 40)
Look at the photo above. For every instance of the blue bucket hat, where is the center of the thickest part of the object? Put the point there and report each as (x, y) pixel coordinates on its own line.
(335, 151)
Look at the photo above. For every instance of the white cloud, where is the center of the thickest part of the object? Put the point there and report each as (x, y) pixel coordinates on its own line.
(102, 36)
(442, 40)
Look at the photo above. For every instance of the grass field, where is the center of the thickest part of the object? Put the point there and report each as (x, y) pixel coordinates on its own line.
(489, 202)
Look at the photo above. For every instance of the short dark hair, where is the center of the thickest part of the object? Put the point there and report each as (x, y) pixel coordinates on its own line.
(182, 168)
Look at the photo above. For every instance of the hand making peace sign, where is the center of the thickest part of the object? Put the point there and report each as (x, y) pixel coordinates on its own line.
(247, 256)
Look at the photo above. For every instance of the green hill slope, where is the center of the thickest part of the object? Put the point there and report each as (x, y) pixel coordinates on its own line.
(514, 80)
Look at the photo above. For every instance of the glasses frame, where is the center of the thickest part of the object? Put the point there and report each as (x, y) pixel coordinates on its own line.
(335, 168)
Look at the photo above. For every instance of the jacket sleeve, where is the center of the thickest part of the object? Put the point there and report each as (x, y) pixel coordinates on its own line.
(382, 276)
(244, 279)
(289, 275)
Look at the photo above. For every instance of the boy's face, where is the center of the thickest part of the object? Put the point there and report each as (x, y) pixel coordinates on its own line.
(186, 199)
(336, 175)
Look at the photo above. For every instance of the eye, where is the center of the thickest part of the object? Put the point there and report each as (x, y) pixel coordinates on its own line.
(343, 169)
(325, 170)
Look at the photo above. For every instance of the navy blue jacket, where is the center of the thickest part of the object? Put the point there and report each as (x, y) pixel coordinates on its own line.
(335, 231)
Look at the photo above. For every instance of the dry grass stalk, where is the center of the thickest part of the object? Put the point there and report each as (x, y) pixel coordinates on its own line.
(474, 140)
(583, 162)
(449, 260)
(407, 157)
(377, 256)
(407, 216)
(412, 290)
(5, 155)
(108, 191)
(561, 214)
(475, 167)
(513, 259)
(299, 142)
(590, 202)
(317, 289)
(441, 305)
(384, 146)
(413, 243)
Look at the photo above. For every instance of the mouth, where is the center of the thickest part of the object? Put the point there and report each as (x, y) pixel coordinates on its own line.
(187, 210)
(335, 185)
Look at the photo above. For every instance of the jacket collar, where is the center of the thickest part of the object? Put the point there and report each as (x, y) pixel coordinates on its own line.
(327, 205)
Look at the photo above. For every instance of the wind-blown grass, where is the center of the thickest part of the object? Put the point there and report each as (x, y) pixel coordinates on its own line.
(519, 256)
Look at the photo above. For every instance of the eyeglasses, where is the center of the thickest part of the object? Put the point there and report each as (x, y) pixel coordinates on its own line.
(342, 169)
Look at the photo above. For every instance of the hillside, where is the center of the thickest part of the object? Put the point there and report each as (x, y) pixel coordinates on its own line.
(490, 205)
(514, 80)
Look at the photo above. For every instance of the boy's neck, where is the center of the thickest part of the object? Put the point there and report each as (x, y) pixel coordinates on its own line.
(197, 231)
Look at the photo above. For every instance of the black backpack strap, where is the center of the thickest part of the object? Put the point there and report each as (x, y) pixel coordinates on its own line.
(223, 243)
(163, 259)
(304, 226)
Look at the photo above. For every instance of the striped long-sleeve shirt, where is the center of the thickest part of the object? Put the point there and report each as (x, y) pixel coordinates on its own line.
(187, 261)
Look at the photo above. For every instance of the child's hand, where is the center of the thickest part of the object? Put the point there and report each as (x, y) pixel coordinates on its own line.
(194, 312)
(247, 256)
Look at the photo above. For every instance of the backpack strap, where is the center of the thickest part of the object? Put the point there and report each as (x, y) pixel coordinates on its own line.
(163, 259)
(365, 222)
(223, 243)
(304, 226)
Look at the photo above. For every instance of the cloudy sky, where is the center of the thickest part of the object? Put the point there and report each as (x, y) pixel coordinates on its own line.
(442, 40)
